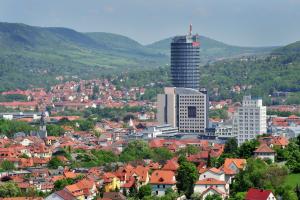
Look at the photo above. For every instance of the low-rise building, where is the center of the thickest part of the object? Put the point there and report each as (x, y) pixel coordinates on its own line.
(259, 194)
(161, 180)
(264, 152)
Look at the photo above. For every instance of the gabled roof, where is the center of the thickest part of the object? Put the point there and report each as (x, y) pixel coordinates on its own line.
(210, 181)
(263, 148)
(239, 163)
(213, 170)
(212, 188)
(163, 177)
(65, 195)
(171, 165)
(258, 194)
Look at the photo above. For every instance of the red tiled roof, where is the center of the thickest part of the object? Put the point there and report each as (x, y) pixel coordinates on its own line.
(257, 194)
(214, 170)
(210, 181)
(212, 188)
(171, 165)
(263, 148)
(239, 163)
(163, 177)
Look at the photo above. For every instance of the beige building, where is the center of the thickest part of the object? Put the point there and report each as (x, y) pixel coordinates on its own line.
(183, 108)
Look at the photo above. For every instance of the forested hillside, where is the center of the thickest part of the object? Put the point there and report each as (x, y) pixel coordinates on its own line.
(212, 50)
(39, 57)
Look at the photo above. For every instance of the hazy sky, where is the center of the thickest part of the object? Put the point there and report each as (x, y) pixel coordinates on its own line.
(238, 22)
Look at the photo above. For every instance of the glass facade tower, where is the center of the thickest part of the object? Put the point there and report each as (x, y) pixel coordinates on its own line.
(185, 61)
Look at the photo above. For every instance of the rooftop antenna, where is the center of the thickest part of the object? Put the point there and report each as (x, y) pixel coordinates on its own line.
(191, 28)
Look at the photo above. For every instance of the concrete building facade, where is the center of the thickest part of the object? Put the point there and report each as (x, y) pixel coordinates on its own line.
(250, 119)
(183, 108)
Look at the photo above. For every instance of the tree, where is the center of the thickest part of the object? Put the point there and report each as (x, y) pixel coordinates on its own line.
(133, 192)
(238, 196)
(274, 176)
(55, 130)
(136, 150)
(23, 155)
(293, 157)
(86, 125)
(188, 150)
(213, 197)
(231, 146)
(247, 148)
(187, 174)
(7, 165)
(60, 184)
(250, 177)
(162, 154)
(9, 189)
(54, 163)
(287, 193)
(145, 190)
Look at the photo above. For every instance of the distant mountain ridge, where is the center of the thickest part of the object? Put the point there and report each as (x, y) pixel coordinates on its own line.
(212, 50)
(36, 56)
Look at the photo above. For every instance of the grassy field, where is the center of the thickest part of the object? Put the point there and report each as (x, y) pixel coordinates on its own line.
(292, 180)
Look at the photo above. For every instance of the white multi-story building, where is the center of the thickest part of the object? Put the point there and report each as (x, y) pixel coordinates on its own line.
(184, 108)
(224, 131)
(250, 119)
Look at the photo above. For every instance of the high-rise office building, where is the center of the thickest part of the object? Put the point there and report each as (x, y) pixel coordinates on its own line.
(249, 120)
(184, 108)
(185, 60)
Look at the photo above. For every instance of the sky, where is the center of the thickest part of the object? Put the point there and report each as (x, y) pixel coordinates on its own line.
(236, 22)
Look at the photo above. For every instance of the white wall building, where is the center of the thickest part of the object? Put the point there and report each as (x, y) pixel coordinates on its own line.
(184, 108)
(250, 119)
(224, 131)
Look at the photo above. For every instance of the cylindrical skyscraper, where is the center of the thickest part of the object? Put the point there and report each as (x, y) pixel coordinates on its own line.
(185, 61)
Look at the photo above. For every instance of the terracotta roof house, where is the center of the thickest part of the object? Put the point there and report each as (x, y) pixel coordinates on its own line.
(231, 167)
(219, 186)
(258, 194)
(113, 196)
(161, 180)
(211, 191)
(60, 195)
(171, 165)
(212, 173)
(264, 152)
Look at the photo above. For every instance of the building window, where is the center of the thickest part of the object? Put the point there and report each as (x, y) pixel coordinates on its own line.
(192, 112)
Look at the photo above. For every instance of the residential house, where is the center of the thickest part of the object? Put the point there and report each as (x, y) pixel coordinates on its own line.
(264, 152)
(210, 185)
(161, 180)
(113, 196)
(211, 173)
(259, 194)
(231, 167)
(111, 182)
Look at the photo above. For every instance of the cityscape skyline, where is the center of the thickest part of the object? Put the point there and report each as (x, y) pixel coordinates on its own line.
(231, 22)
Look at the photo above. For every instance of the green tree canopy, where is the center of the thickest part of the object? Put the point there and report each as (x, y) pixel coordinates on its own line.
(55, 130)
(213, 197)
(55, 162)
(187, 174)
(9, 189)
(136, 150)
(162, 154)
(7, 165)
(144, 191)
(60, 184)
